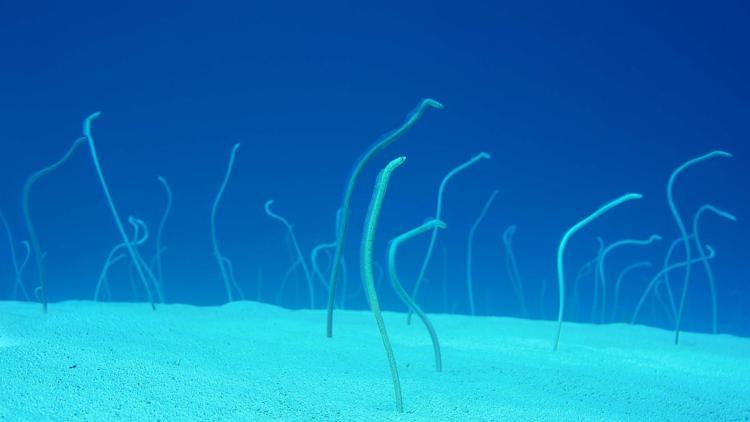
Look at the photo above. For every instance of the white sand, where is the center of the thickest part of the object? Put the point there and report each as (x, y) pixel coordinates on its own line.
(250, 361)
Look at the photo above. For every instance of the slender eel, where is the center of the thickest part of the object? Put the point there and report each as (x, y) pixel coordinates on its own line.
(706, 264)
(438, 214)
(366, 268)
(35, 246)
(561, 251)
(683, 231)
(343, 226)
(215, 243)
(392, 250)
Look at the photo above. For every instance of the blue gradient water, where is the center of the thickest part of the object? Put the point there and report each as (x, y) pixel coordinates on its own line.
(577, 104)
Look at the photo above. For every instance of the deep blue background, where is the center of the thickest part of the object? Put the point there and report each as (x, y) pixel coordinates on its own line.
(577, 103)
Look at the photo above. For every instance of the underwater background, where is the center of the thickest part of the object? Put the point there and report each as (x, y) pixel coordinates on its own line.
(577, 103)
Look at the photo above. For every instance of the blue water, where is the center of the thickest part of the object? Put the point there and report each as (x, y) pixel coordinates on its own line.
(577, 104)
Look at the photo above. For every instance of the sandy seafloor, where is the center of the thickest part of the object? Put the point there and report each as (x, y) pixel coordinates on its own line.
(252, 361)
